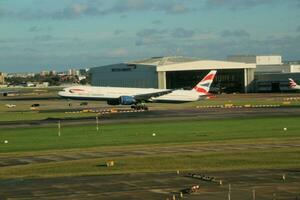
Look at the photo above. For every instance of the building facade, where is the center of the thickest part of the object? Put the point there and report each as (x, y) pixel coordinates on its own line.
(174, 73)
(2, 78)
(271, 74)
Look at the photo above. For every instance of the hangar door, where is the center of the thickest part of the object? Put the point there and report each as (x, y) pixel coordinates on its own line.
(226, 81)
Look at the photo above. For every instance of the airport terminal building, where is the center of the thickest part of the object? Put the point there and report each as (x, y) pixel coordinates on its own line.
(175, 72)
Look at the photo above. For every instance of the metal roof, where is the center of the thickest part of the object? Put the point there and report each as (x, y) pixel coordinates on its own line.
(179, 63)
(205, 65)
(160, 61)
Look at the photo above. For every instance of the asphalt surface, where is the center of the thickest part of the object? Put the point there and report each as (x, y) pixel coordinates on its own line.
(265, 184)
(200, 113)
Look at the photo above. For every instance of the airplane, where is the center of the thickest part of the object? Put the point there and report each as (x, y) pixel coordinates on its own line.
(6, 93)
(136, 96)
(293, 85)
(112, 95)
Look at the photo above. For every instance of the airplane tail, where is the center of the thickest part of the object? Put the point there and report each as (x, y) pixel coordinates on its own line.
(292, 83)
(204, 85)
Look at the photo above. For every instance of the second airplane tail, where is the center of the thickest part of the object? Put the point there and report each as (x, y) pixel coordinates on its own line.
(292, 83)
(204, 85)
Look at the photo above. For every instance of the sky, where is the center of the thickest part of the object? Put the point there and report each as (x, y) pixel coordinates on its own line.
(38, 35)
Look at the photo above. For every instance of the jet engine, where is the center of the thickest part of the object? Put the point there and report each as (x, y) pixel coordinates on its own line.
(123, 100)
(127, 100)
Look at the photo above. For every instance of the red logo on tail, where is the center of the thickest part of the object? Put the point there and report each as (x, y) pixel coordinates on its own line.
(201, 90)
(292, 83)
(209, 77)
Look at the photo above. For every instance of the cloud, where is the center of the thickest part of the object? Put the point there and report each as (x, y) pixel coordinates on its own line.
(235, 33)
(118, 32)
(71, 10)
(94, 8)
(288, 46)
(39, 29)
(149, 32)
(182, 33)
(294, 3)
(117, 53)
(173, 8)
(298, 28)
(27, 49)
(43, 38)
(130, 5)
(5, 41)
(34, 29)
(238, 4)
(146, 41)
(157, 22)
(75, 9)
(169, 7)
(79, 8)
(150, 36)
(5, 13)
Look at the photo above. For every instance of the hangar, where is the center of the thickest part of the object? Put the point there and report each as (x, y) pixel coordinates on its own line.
(275, 82)
(175, 72)
(271, 73)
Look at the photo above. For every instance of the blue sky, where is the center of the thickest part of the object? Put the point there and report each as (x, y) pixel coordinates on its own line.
(60, 34)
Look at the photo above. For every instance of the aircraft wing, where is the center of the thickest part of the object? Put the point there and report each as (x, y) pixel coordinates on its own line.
(147, 96)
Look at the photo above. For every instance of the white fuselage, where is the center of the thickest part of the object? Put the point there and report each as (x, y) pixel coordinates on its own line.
(297, 87)
(180, 96)
(104, 93)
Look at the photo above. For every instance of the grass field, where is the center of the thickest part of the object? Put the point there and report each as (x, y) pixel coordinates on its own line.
(22, 142)
(46, 138)
(232, 160)
(32, 156)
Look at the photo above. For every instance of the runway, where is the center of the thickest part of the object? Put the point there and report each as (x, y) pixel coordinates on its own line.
(267, 185)
(199, 113)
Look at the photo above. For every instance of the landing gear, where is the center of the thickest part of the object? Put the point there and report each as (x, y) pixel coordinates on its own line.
(141, 106)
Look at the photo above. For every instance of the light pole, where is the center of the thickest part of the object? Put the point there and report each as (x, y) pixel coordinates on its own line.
(97, 123)
(229, 192)
(59, 127)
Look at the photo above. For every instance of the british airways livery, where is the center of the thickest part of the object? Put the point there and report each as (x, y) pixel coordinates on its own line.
(134, 96)
(293, 85)
(197, 93)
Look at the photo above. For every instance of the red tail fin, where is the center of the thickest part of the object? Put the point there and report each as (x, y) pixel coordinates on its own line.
(292, 83)
(204, 85)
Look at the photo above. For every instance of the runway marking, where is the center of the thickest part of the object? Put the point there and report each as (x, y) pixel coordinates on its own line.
(67, 156)
(152, 186)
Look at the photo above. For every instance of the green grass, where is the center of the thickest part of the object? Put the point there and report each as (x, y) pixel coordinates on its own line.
(167, 132)
(184, 133)
(221, 161)
(48, 108)
(44, 140)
